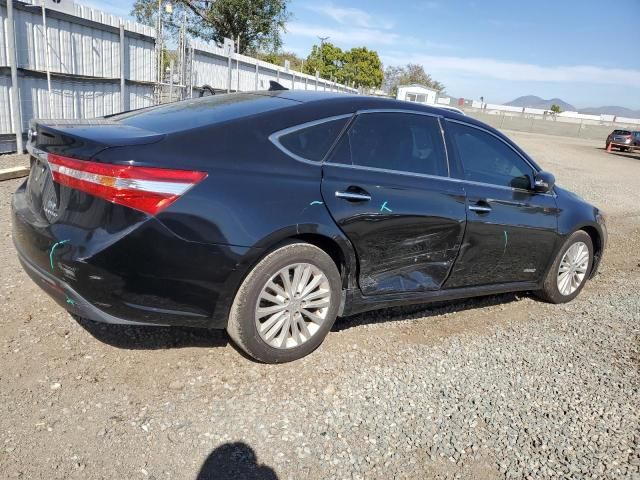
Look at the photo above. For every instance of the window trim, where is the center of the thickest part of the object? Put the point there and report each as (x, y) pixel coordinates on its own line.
(275, 136)
(438, 118)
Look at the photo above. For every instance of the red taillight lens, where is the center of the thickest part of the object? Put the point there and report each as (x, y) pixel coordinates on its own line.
(148, 189)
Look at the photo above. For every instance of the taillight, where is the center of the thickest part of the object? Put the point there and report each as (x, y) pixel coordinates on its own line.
(148, 189)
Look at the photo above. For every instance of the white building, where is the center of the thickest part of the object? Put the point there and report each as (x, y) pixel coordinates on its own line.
(416, 93)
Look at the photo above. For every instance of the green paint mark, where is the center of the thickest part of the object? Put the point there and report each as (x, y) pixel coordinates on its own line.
(71, 301)
(506, 240)
(384, 208)
(53, 249)
(316, 202)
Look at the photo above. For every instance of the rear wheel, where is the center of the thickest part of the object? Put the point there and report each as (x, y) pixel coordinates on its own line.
(286, 305)
(570, 270)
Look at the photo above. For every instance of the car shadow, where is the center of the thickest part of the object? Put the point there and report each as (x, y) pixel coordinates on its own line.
(425, 310)
(134, 337)
(618, 153)
(233, 461)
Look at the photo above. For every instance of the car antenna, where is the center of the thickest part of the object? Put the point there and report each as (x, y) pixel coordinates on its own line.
(273, 86)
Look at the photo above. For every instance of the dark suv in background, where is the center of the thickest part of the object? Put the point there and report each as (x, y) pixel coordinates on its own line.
(624, 140)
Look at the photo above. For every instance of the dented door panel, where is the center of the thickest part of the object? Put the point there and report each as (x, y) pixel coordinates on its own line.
(407, 235)
(514, 241)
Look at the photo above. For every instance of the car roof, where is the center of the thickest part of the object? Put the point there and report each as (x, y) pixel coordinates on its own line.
(362, 102)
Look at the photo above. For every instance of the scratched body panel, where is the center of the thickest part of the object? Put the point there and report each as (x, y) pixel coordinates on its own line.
(407, 236)
(514, 242)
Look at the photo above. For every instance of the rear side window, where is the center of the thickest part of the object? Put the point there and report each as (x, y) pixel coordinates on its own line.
(487, 159)
(313, 142)
(394, 141)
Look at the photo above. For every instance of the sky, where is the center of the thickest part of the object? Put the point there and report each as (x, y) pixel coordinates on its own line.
(584, 52)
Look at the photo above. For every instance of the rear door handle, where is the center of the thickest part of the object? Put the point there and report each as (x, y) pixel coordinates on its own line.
(353, 196)
(479, 209)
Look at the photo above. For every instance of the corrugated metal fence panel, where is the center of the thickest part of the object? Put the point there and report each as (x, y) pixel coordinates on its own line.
(140, 96)
(4, 60)
(6, 124)
(69, 99)
(140, 60)
(210, 68)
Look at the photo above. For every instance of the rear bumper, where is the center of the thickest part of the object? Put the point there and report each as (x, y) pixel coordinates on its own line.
(68, 298)
(138, 273)
(625, 145)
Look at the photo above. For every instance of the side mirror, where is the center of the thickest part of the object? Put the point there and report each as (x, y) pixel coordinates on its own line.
(543, 182)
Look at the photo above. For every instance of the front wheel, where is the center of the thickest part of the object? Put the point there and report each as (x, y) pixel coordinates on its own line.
(570, 270)
(286, 305)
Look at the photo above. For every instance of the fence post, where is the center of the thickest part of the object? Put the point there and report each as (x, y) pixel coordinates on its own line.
(47, 61)
(229, 71)
(16, 111)
(278, 75)
(317, 76)
(257, 75)
(123, 88)
(580, 127)
(502, 120)
(171, 81)
(293, 80)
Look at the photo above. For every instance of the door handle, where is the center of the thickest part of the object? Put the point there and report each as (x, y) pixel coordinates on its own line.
(479, 209)
(353, 196)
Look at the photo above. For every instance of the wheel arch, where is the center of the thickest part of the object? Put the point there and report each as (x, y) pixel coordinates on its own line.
(598, 246)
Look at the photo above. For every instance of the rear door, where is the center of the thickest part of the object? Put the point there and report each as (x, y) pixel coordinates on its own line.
(511, 230)
(387, 185)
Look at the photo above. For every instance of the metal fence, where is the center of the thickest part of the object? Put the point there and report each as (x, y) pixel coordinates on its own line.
(549, 124)
(73, 61)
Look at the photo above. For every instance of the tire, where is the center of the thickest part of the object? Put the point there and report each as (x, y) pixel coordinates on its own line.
(550, 290)
(243, 322)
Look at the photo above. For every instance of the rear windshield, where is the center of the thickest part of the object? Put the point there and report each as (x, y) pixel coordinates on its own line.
(199, 112)
(621, 132)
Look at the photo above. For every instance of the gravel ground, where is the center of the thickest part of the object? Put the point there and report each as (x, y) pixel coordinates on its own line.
(498, 387)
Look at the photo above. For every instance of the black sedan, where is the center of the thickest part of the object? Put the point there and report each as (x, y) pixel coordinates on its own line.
(269, 214)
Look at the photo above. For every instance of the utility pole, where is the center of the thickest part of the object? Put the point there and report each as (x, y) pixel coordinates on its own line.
(322, 40)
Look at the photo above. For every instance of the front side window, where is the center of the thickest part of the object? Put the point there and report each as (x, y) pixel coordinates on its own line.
(394, 141)
(487, 159)
(313, 142)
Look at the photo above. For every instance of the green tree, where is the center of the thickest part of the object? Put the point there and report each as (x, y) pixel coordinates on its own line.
(408, 74)
(555, 108)
(362, 67)
(359, 66)
(257, 23)
(278, 58)
(326, 59)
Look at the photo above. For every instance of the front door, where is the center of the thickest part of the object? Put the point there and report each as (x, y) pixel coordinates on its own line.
(387, 186)
(511, 230)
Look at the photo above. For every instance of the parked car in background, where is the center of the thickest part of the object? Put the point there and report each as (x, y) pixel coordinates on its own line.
(269, 214)
(624, 140)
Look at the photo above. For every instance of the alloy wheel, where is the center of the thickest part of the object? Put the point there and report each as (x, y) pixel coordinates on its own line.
(573, 268)
(292, 305)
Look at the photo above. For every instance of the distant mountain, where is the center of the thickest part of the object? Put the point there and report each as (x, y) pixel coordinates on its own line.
(536, 102)
(612, 110)
(533, 101)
